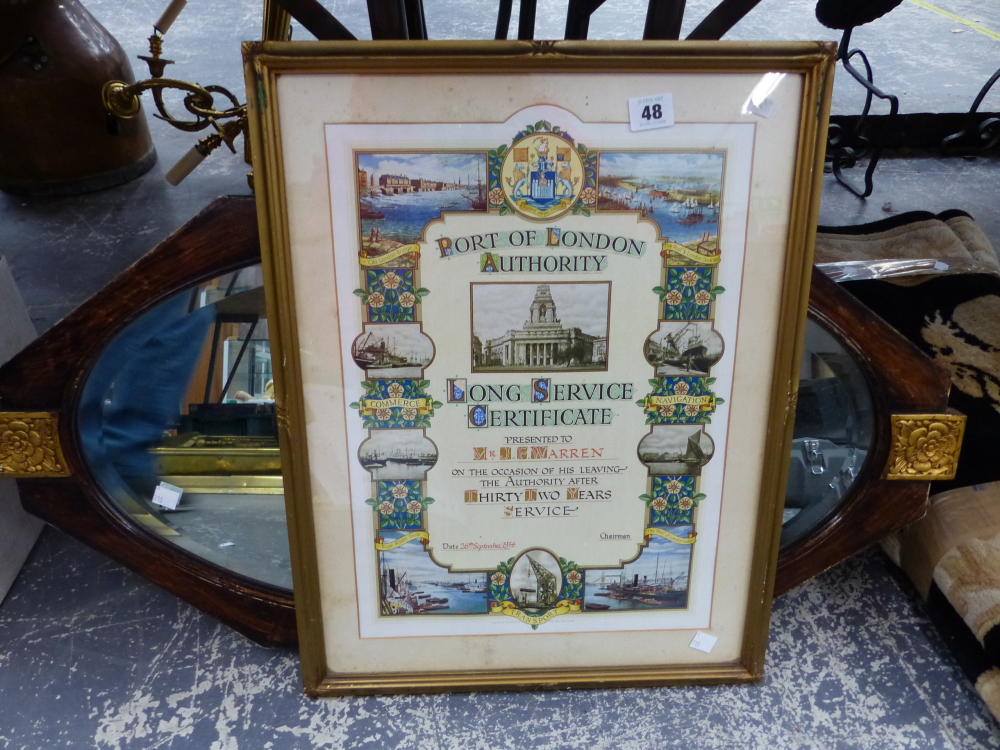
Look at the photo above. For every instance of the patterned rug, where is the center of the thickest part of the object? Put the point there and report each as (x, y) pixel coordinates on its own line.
(953, 555)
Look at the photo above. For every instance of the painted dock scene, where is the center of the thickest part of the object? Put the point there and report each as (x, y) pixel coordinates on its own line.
(400, 193)
(657, 580)
(410, 583)
(397, 455)
(676, 449)
(684, 348)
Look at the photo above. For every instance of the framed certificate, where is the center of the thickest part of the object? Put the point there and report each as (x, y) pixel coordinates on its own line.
(538, 310)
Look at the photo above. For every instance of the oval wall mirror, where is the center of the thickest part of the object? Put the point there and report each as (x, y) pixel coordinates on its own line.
(834, 426)
(177, 423)
(162, 378)
(860, 380)
(161, 383)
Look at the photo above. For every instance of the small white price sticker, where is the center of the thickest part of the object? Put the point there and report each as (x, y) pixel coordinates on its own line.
(703, 642)
(649, 112)
(167, 496)
(764, 109)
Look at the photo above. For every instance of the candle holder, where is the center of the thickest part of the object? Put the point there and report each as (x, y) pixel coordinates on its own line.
(122, 100)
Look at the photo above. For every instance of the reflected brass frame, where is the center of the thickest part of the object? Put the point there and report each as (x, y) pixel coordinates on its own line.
(265, 62)
(48, 377)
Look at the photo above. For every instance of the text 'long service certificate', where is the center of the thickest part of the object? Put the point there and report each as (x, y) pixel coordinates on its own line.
(541, 316)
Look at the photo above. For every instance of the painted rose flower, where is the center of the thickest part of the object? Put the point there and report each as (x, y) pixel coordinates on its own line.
(689, 278)
(692, 410)
(496, 197)
(413, 507)
(385, 508)
(665, 411)
(673, 297)
(673, 487)
(400, 490)
(395, 390)
(685, 503)
(659, 503)
(702, 297)
(407, 299)
(498, 578)
(573, 577)
(375, 299)
(409, 414)
(588, 196)
(383, 413)
(681, 388)
(391, 280)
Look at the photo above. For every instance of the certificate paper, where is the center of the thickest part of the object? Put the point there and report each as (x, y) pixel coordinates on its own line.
(534, 368)
(539, 314)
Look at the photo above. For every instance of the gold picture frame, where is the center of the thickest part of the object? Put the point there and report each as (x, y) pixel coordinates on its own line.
(750, 125)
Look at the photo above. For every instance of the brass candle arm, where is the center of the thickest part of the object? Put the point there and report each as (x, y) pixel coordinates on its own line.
(122, 99)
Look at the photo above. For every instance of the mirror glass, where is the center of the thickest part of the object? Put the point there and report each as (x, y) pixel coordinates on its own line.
(178, 425)
(833, 431)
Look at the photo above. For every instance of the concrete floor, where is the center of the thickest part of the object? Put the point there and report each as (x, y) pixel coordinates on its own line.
(93, 656)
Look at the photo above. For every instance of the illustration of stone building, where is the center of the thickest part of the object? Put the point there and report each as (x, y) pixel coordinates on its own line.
(601, 349)
(543, 341)
(394, 184)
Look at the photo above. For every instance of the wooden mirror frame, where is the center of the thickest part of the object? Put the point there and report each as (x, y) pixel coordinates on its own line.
(44, 383)
(905, 385)
(47, 378)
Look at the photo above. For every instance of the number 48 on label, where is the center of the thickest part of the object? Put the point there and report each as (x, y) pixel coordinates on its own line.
(648, 112)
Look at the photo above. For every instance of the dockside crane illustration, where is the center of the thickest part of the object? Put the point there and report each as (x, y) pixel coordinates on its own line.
(546, 588)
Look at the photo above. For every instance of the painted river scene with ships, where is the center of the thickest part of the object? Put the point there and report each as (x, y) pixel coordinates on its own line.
(680, 192)
(410, 583)
(657, 580)
(400, 193)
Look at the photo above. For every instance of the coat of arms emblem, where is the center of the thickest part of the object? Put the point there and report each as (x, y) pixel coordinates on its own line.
(542, 175)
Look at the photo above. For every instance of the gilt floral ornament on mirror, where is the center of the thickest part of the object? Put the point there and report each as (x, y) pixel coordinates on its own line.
(925, 446)
(29, 446)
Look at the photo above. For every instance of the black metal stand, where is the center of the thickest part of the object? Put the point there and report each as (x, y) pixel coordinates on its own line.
(846, 154)
(987, 131)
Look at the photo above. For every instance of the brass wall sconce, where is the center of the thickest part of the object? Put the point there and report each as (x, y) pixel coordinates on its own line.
(121, 99)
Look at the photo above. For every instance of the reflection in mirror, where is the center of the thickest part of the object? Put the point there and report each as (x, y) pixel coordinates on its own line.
(182, 399)
(833, 431)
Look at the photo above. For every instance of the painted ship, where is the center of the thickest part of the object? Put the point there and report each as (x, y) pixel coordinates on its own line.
(690, 354)
(370, 214)
(397, 457)
(689, 462)
(478, 199)
(691, 213)
(401, 597)
(664, 589)
(372, 353)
